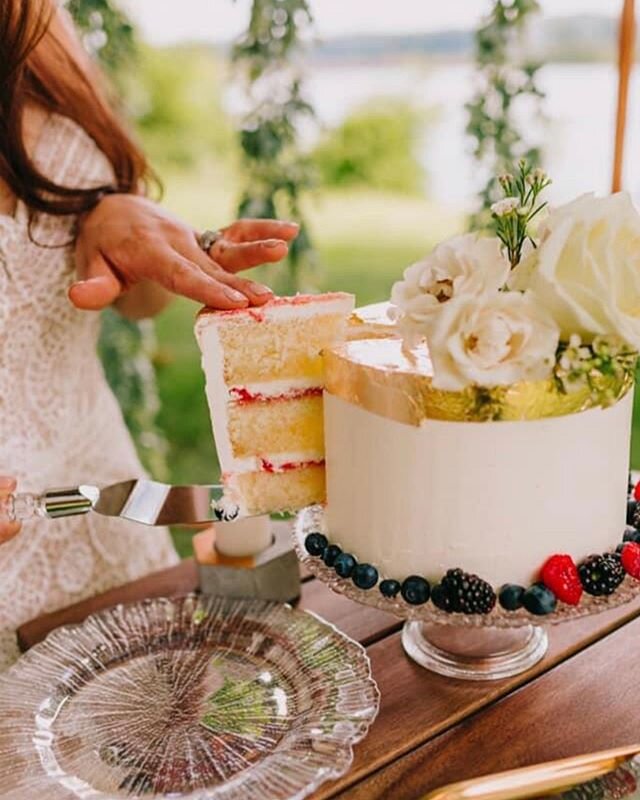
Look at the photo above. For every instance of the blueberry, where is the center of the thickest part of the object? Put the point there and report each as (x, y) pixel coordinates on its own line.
(510, 596)
(315, 544)
(539, 600)
(389, 587)
(631, 511)
(415, 590)
(344, 565)
(365, 576)
(631, 535)
(330, 554)
(440, 598)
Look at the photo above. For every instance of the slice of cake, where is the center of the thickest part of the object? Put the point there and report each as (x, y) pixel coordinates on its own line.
(264, 379)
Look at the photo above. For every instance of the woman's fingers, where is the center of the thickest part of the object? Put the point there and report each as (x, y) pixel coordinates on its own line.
(250, 230)
(256, 293)
(7, 529)
(99, 286)
(235, 257)
(185, 277)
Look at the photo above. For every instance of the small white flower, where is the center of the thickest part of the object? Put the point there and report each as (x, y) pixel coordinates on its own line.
(493, 340)
(537, 176)
(505, 206)
(463, 265)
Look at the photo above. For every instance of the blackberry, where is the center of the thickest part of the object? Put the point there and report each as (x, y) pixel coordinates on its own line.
(601, 575)
(631, 535)
(465, 593)
(632, 508)
(315, 544)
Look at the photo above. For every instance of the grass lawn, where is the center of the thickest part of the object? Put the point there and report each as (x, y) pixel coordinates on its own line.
(364, 241)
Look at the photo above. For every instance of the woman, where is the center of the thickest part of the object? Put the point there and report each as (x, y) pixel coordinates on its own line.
(76, 235)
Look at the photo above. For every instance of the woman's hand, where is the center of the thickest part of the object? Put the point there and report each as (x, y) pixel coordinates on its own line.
(128, 240)
(7, 529)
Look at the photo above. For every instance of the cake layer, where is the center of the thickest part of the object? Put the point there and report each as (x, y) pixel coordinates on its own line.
(268, 491)
(279, 341)
(276, 426)
(493, 498)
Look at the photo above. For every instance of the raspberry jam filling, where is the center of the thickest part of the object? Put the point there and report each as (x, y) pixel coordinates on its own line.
(240, 394)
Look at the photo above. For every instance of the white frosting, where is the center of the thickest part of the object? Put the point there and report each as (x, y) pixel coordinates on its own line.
(277, 388)
(276, 461)
(494, 498)
(338, 304)
(215, 387)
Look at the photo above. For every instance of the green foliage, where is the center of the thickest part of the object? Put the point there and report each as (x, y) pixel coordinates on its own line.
(374, 147)
(106, 30)
(504, 86)
(175, 98)
(277, 175)
(126, 348)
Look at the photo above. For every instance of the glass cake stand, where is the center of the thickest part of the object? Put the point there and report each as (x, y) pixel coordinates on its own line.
(479, 647)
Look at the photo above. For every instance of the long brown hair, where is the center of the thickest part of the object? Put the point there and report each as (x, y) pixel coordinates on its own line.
(39, 66)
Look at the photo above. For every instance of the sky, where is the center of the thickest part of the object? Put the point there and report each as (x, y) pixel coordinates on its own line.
(166, 21)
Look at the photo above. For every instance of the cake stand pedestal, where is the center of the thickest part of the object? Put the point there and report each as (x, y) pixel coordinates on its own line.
(478, 647)
(477, 654)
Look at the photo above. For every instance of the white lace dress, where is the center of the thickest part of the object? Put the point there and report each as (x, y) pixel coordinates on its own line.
(59, 422)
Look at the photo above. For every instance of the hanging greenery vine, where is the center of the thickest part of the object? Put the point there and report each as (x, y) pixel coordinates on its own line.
(277, 174)
(505, 83)
(126, 348)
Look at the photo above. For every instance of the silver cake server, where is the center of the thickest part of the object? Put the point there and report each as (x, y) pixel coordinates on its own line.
(144, 501)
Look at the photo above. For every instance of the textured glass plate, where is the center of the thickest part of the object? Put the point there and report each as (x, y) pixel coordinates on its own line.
(196, 698)
(313, 519)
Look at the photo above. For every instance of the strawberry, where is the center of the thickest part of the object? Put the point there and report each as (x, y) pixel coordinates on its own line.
(630, 558)
(560, 574)
(636, 491)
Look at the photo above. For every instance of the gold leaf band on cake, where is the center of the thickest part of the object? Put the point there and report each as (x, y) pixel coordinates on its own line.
(378, 376)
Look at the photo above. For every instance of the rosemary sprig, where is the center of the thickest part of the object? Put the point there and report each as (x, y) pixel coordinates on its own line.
(513, 214)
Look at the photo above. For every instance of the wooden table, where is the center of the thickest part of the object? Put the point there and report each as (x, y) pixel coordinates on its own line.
(584, 695)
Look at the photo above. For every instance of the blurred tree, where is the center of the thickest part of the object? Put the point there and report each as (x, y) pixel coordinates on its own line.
(277, 174)
(374, 147)
(106, 31)
(175, 97)
(505, 84)
(126, 347)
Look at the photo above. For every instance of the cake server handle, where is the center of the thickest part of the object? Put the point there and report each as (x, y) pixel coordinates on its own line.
(51, 504)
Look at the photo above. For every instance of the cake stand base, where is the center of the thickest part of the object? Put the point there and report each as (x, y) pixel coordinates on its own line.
(474, 654)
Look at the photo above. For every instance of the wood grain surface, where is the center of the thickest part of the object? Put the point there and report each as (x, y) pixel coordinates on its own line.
(433, 730)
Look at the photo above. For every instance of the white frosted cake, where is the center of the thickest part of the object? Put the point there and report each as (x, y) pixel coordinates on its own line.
(477, 453)
(264, 384)
(414, 494)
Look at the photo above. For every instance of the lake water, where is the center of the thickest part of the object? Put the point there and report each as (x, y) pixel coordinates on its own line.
(577, 136)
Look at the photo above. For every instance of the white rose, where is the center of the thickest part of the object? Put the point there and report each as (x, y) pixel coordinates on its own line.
(493, 340)
(586, 270)
(463, 265)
